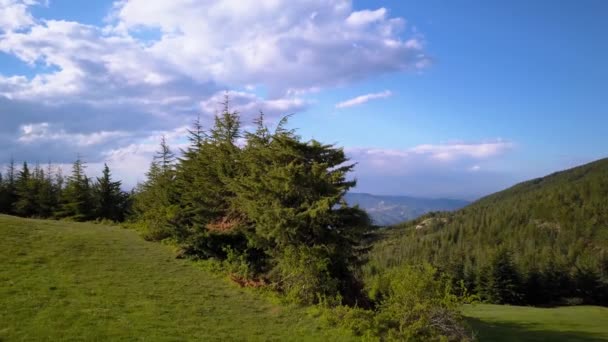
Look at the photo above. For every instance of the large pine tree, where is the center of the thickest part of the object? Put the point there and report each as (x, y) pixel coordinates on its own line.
(110, 200)
(26, 193)
(155, 201)
(76, 199)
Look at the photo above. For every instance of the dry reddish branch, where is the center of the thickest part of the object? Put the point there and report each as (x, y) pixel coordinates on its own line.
(224, 225)
(244, 282)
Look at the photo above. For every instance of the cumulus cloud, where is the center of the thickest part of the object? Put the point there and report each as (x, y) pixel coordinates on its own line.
(44, 133)
(108, 92)
(249, 105)
(280, 43)
(359, 100)
(14, 14)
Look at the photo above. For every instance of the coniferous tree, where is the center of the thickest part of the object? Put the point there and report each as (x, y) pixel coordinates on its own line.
(110, 200)
(504, 283)
(291, 192)
(26, 193)
(10, 188)
(76, 201)
(47, 196)
(155, 200)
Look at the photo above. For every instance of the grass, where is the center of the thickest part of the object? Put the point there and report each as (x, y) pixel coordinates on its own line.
(79, 281)
(516, 323)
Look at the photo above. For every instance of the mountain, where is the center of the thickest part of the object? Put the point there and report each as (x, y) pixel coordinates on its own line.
(390, 210)
(550, 232)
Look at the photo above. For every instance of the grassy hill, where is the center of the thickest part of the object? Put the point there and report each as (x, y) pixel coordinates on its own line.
(503, 323)
(550, 233)
(77, 281)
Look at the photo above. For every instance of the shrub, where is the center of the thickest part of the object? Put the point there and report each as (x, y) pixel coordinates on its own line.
(303, 274)
(416, 303)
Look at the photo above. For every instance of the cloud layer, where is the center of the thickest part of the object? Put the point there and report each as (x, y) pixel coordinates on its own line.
(156, 64)
(452, 169)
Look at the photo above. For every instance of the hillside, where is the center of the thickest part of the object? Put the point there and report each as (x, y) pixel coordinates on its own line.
(77, 281)
(390, 210)
(550, 233)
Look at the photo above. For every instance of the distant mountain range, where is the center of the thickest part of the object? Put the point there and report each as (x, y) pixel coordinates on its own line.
(390, 210)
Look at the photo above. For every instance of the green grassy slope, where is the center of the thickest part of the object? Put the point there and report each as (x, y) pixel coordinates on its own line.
(516, 323)
(74, 281)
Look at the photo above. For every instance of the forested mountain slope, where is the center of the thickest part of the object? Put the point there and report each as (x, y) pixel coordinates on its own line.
(539, 242)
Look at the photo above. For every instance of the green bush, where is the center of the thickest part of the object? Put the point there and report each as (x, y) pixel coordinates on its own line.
(303, 274)
(413, 304)
(418, 303)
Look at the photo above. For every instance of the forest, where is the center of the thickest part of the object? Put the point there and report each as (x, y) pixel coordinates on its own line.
(541, 242)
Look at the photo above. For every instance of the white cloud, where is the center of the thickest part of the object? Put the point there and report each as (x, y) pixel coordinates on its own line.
(456, 155)
(359, 100)
(366, 17)
(44, 133)
(249, 105)
(454, 151)
(103, 90)
(14, 14)
(278, 43)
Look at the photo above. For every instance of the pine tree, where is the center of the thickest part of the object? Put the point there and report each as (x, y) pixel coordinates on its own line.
(504, 284)
(3, 195)
(291, 192)
(10, 188)
(76, 202)
(26, 193)
(109, 198)
(155, 200)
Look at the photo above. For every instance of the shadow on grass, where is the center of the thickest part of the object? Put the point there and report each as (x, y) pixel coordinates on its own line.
(506, 331)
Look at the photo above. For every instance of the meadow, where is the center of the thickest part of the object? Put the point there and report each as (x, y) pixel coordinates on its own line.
(519, 323)
(83, 281)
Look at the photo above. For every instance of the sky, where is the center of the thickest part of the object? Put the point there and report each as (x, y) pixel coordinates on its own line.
(431, 98)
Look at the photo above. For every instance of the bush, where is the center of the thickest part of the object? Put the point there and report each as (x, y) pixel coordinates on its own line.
(413, 304)
(418, 303)
(303, 274)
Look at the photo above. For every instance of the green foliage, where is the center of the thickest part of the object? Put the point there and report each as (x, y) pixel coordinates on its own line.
(76, 198)
(539, 242)
(45, 193)
(304, 274)
(154, 203)
(419, 304)
(414, 303)
(273, 206)
(111, 203)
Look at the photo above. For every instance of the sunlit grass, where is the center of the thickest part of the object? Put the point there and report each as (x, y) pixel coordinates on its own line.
(517, 323)
(75, 281)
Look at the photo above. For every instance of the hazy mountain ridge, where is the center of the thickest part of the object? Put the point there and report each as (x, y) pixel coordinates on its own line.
(389, 210)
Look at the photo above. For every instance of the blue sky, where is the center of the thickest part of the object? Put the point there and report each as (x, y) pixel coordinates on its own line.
(431, 98)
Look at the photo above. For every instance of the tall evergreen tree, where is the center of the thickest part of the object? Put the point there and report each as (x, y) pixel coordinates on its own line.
(76, 202)
(109, 198)
(155, 200)
(504, 283)
(26, 193)
(3, 195)
(10, 187)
